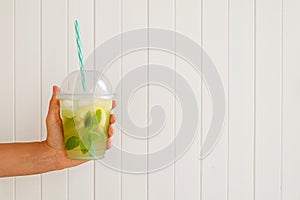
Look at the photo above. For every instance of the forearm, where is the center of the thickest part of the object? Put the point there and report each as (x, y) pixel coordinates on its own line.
(26, 158)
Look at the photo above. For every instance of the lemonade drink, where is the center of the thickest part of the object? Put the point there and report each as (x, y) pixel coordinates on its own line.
(85, 125)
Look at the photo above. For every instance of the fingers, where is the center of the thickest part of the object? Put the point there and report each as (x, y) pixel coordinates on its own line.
(112, 119)
(114, 104)
(111, 131)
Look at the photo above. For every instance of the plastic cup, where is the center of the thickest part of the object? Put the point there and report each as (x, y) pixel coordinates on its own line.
(85, 114)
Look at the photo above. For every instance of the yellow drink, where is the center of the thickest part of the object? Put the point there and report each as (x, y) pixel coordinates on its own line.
(85, 124)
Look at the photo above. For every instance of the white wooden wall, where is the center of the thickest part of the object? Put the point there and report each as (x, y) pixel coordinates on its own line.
(255, 46)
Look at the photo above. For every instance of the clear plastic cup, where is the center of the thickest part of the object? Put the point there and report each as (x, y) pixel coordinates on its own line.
(85, 114)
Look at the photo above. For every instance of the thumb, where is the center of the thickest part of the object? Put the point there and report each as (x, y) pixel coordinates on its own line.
(54, 107)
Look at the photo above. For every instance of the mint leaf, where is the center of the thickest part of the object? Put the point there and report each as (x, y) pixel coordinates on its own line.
(83, 149)
(99, 115)
(88, 119)
(85, 144)
(72, 143)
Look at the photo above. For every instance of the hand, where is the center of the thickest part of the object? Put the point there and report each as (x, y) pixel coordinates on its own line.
(55, 137)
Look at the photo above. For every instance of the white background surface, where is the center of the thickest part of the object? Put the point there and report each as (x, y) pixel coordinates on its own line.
(255, 46)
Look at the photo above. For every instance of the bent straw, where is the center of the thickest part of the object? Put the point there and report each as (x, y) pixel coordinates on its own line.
(80, 56)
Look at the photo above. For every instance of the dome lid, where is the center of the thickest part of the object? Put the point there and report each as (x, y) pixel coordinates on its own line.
(97, 85)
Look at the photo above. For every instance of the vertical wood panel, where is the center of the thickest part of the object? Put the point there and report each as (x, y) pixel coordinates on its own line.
(215, 43)
(27, 80)
(7, 68)
(80, 178)
(134, 186)
(7, 87)
(291, 98)
(241, 101)
(161, 182)
(54, 68)
(268, 100)
(59, 57)
(187, 168)
(108, 24)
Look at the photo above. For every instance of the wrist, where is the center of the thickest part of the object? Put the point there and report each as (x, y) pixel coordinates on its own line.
(53, 156)
(59, 159)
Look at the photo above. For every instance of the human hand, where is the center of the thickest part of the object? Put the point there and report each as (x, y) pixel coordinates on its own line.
(55, 137)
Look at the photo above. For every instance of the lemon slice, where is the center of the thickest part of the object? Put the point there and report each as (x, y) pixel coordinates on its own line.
(68, 113)
(101, 116)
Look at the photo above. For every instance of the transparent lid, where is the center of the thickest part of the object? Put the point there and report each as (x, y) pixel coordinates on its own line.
(97, 85)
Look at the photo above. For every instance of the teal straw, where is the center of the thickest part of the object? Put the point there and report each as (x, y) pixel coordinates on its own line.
(80, 56)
